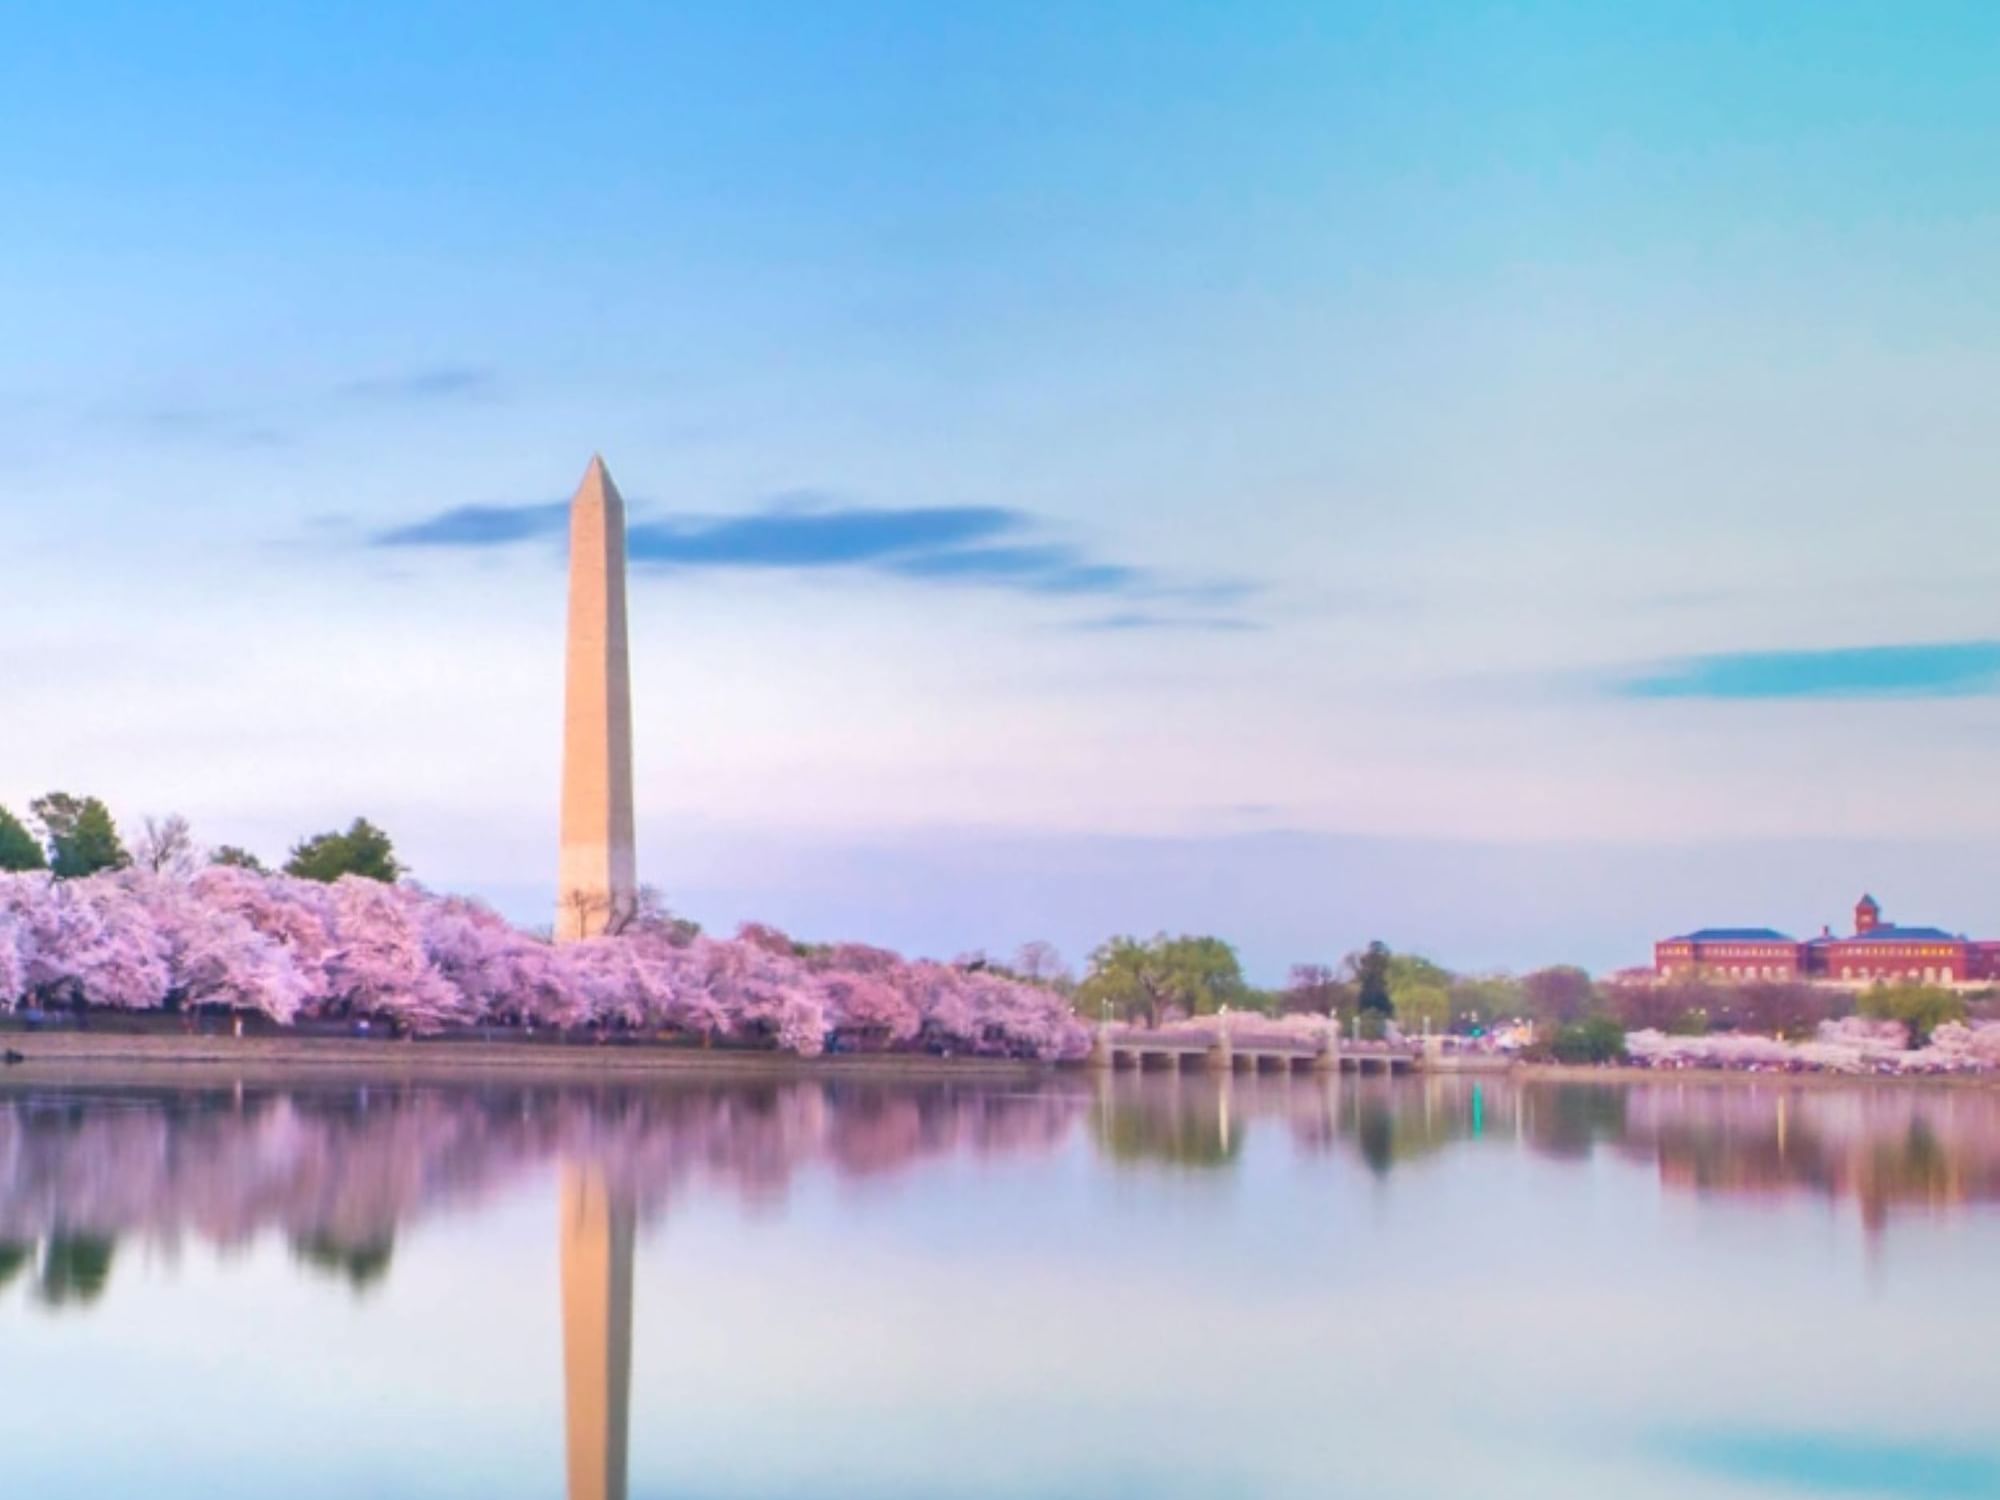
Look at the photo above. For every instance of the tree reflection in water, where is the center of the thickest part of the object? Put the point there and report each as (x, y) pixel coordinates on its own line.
(1168, 1121)
(14, 1259)
(360, 1266)
(338, 1167)
(1884, 1147)
(74, 1269)
(69, 1270)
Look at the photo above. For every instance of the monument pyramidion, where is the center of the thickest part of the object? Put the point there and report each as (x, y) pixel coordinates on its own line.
(597, 884)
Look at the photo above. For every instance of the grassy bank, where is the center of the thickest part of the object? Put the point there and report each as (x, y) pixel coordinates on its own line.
(67, 1050)
(1549, 1072)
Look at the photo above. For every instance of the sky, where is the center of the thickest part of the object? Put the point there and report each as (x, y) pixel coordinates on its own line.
(1515, 480)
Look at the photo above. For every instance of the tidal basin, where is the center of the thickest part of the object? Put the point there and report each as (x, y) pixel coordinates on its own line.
(222, 1285)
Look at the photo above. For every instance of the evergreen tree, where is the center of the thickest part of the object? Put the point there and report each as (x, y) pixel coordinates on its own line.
(241, 859)
(81, 836)
(18, 849)
(363, 850)
(1371, 977)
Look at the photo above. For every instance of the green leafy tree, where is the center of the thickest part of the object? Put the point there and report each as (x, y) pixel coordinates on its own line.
(1922, 1008)
(1595, 1039)
(1126, 980)
(18, 847)
(1266, 1002)
(363, 850)
(1414, 969)
(1140, 980)
(1419, 991)
(241, 859)
(1207, 975)
(1422, 1006)
(82, 839)
(1483, 1000)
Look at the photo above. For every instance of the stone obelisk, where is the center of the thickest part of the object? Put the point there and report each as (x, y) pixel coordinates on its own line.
(597, 886)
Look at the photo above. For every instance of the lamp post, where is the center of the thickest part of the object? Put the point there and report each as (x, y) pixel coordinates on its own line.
(1100, 1054)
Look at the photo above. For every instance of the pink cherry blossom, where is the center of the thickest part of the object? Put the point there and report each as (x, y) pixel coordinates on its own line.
(359, 949)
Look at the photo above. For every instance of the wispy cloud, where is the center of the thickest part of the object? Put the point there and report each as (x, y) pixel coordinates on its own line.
(440, 382)
(1947, 669)
(478, 526)
(793, 533)
(275, 420)
(976, 546)
(1040, 569)
(1135, 620)
(1843, 1463)
(184, 422)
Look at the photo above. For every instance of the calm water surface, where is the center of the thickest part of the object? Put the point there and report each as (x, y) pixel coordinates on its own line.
(1153, 1287)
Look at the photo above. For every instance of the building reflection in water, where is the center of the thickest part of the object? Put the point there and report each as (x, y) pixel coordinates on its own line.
(597, 1234)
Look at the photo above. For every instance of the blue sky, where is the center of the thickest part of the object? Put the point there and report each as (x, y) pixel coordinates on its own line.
(1510, 479)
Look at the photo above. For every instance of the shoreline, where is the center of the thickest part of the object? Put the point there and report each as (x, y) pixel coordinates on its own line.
(1596, 1073)
(45, 1054)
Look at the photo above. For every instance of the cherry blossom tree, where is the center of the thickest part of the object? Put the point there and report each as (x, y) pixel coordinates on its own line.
(295, 949)
(378, 965)
(13, 966)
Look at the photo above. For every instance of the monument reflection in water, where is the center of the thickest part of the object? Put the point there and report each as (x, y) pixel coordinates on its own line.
(1145, 1173)
(597, 1232)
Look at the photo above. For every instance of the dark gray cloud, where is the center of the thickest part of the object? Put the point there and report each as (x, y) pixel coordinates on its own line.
(975, 546)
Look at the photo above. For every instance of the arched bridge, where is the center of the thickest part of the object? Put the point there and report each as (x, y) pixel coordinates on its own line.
(1219, 1051)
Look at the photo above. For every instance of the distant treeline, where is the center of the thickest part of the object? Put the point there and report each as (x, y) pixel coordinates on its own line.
(1579, 1017)
(1127, 978)
(73, 837)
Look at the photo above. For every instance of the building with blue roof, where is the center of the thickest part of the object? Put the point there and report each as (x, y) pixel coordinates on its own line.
(1877, 952)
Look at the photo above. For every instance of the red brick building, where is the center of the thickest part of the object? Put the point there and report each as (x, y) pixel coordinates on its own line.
(1876, 952)
(1738, 952)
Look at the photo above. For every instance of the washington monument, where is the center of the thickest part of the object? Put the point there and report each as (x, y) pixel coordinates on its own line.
(597, 886)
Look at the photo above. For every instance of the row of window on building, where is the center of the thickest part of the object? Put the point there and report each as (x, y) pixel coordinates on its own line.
(1877, 951)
